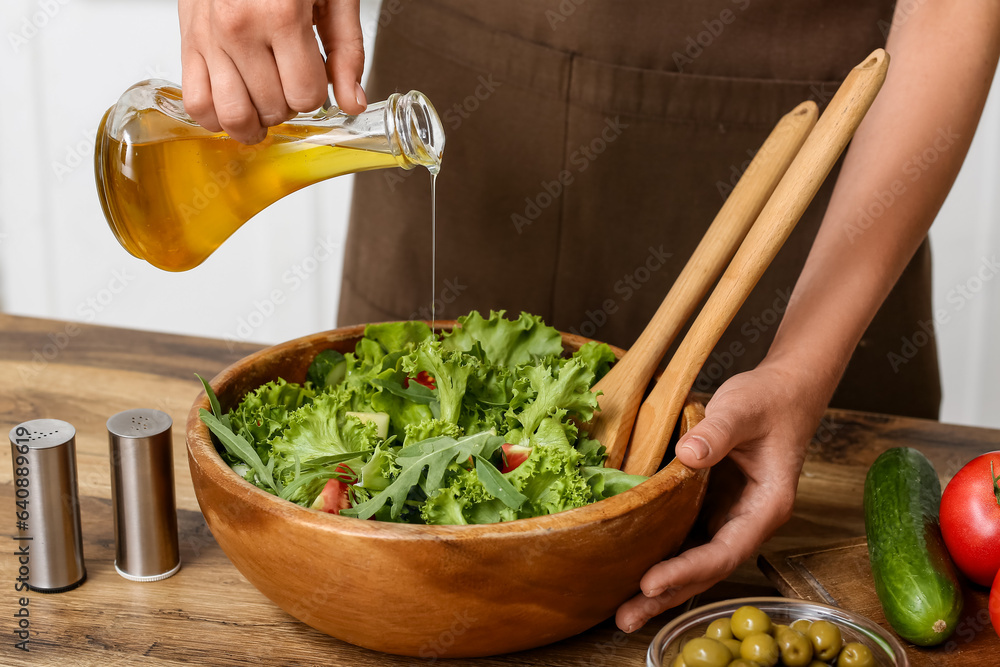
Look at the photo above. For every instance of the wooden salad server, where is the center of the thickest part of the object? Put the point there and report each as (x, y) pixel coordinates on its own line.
(626, 382)
(657, 416)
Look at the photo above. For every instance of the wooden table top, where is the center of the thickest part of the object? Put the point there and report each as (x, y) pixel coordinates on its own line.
(208, 613)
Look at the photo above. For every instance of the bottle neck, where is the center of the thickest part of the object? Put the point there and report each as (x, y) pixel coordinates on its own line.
(404, 125)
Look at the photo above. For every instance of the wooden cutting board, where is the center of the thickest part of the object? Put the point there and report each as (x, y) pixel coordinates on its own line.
(839, 574)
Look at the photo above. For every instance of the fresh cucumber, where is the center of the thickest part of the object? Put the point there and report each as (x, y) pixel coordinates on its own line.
(915, 580)
(381, 420)
(327, 369)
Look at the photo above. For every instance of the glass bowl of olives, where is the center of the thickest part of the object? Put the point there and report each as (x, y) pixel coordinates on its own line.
(773, 632)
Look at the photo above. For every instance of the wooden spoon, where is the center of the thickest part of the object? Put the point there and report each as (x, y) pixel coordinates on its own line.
(627, 380)
(658, 414)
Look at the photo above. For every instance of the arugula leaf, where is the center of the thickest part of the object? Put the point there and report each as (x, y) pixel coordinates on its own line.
(496, 484)
(239, 448)
(305, 487)
(415, 392)
(434, 455)
(212, 399)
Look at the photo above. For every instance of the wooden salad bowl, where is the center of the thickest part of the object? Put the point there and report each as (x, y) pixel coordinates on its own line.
(432, 591)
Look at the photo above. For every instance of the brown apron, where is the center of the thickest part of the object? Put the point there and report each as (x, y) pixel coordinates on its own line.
(589, 146)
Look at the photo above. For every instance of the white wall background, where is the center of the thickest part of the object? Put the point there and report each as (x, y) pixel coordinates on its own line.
(63, 62)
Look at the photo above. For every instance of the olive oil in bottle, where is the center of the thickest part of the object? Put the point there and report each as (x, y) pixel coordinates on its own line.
(173, 192)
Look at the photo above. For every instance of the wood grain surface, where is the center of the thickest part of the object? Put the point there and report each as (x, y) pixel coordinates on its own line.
(208, 614)
(840, 574)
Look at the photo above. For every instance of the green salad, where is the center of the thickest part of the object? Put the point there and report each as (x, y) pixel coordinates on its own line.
(475, 425)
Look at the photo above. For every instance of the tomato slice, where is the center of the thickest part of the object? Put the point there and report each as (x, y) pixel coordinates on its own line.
(335, 495)
(333, 498)
(423, 377)
(513, 456)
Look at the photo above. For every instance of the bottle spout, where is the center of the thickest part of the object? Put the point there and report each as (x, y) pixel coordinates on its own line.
(419, 130)
(405, 125)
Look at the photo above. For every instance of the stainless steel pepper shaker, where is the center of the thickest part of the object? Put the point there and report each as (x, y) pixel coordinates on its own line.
(49, 542)
(142, 493)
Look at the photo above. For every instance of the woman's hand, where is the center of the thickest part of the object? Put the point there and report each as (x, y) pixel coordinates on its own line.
(762, 420)
(252, 64)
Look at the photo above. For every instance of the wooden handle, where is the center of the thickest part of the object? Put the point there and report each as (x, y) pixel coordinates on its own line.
(624, 386)
(656, 419)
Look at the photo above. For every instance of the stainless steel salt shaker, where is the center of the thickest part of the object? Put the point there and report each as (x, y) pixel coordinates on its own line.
(49, 542)
(142, 493)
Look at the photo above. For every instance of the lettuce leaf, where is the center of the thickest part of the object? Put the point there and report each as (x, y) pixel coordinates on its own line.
(607, 482)
(451, 371)
(398, 336)
(596, 357)
(263, 413)
(430, 428)
(508, 343)
(540, 391)
(322, 429)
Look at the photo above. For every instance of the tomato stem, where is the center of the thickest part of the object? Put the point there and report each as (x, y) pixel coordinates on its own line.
(996, 487)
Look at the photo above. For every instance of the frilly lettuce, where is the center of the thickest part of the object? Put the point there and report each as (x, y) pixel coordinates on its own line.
(507, 343)
(263, 413)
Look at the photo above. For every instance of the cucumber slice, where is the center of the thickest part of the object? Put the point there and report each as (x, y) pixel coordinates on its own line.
(381, 420)
(327, 369)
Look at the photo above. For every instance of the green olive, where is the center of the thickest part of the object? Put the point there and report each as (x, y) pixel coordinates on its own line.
(818, 663)
(679, 661)
(796, 650)
(749, 620)
(719, 629)
(802, 625)
(761, 648)
(777, 629)
(826, 640)
(855, 655)
(734, 646)
(740, 662)
(706, 652)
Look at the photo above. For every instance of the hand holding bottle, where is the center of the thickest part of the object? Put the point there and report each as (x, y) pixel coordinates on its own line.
(252, 64)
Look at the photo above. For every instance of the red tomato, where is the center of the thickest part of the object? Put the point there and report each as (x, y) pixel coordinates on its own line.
(970, 518)
(424, 378)
(333, 497)
(995, 604)
(513, 456)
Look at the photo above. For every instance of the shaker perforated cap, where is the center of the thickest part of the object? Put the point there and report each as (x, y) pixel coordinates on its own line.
(49, 542)
(142, 492)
